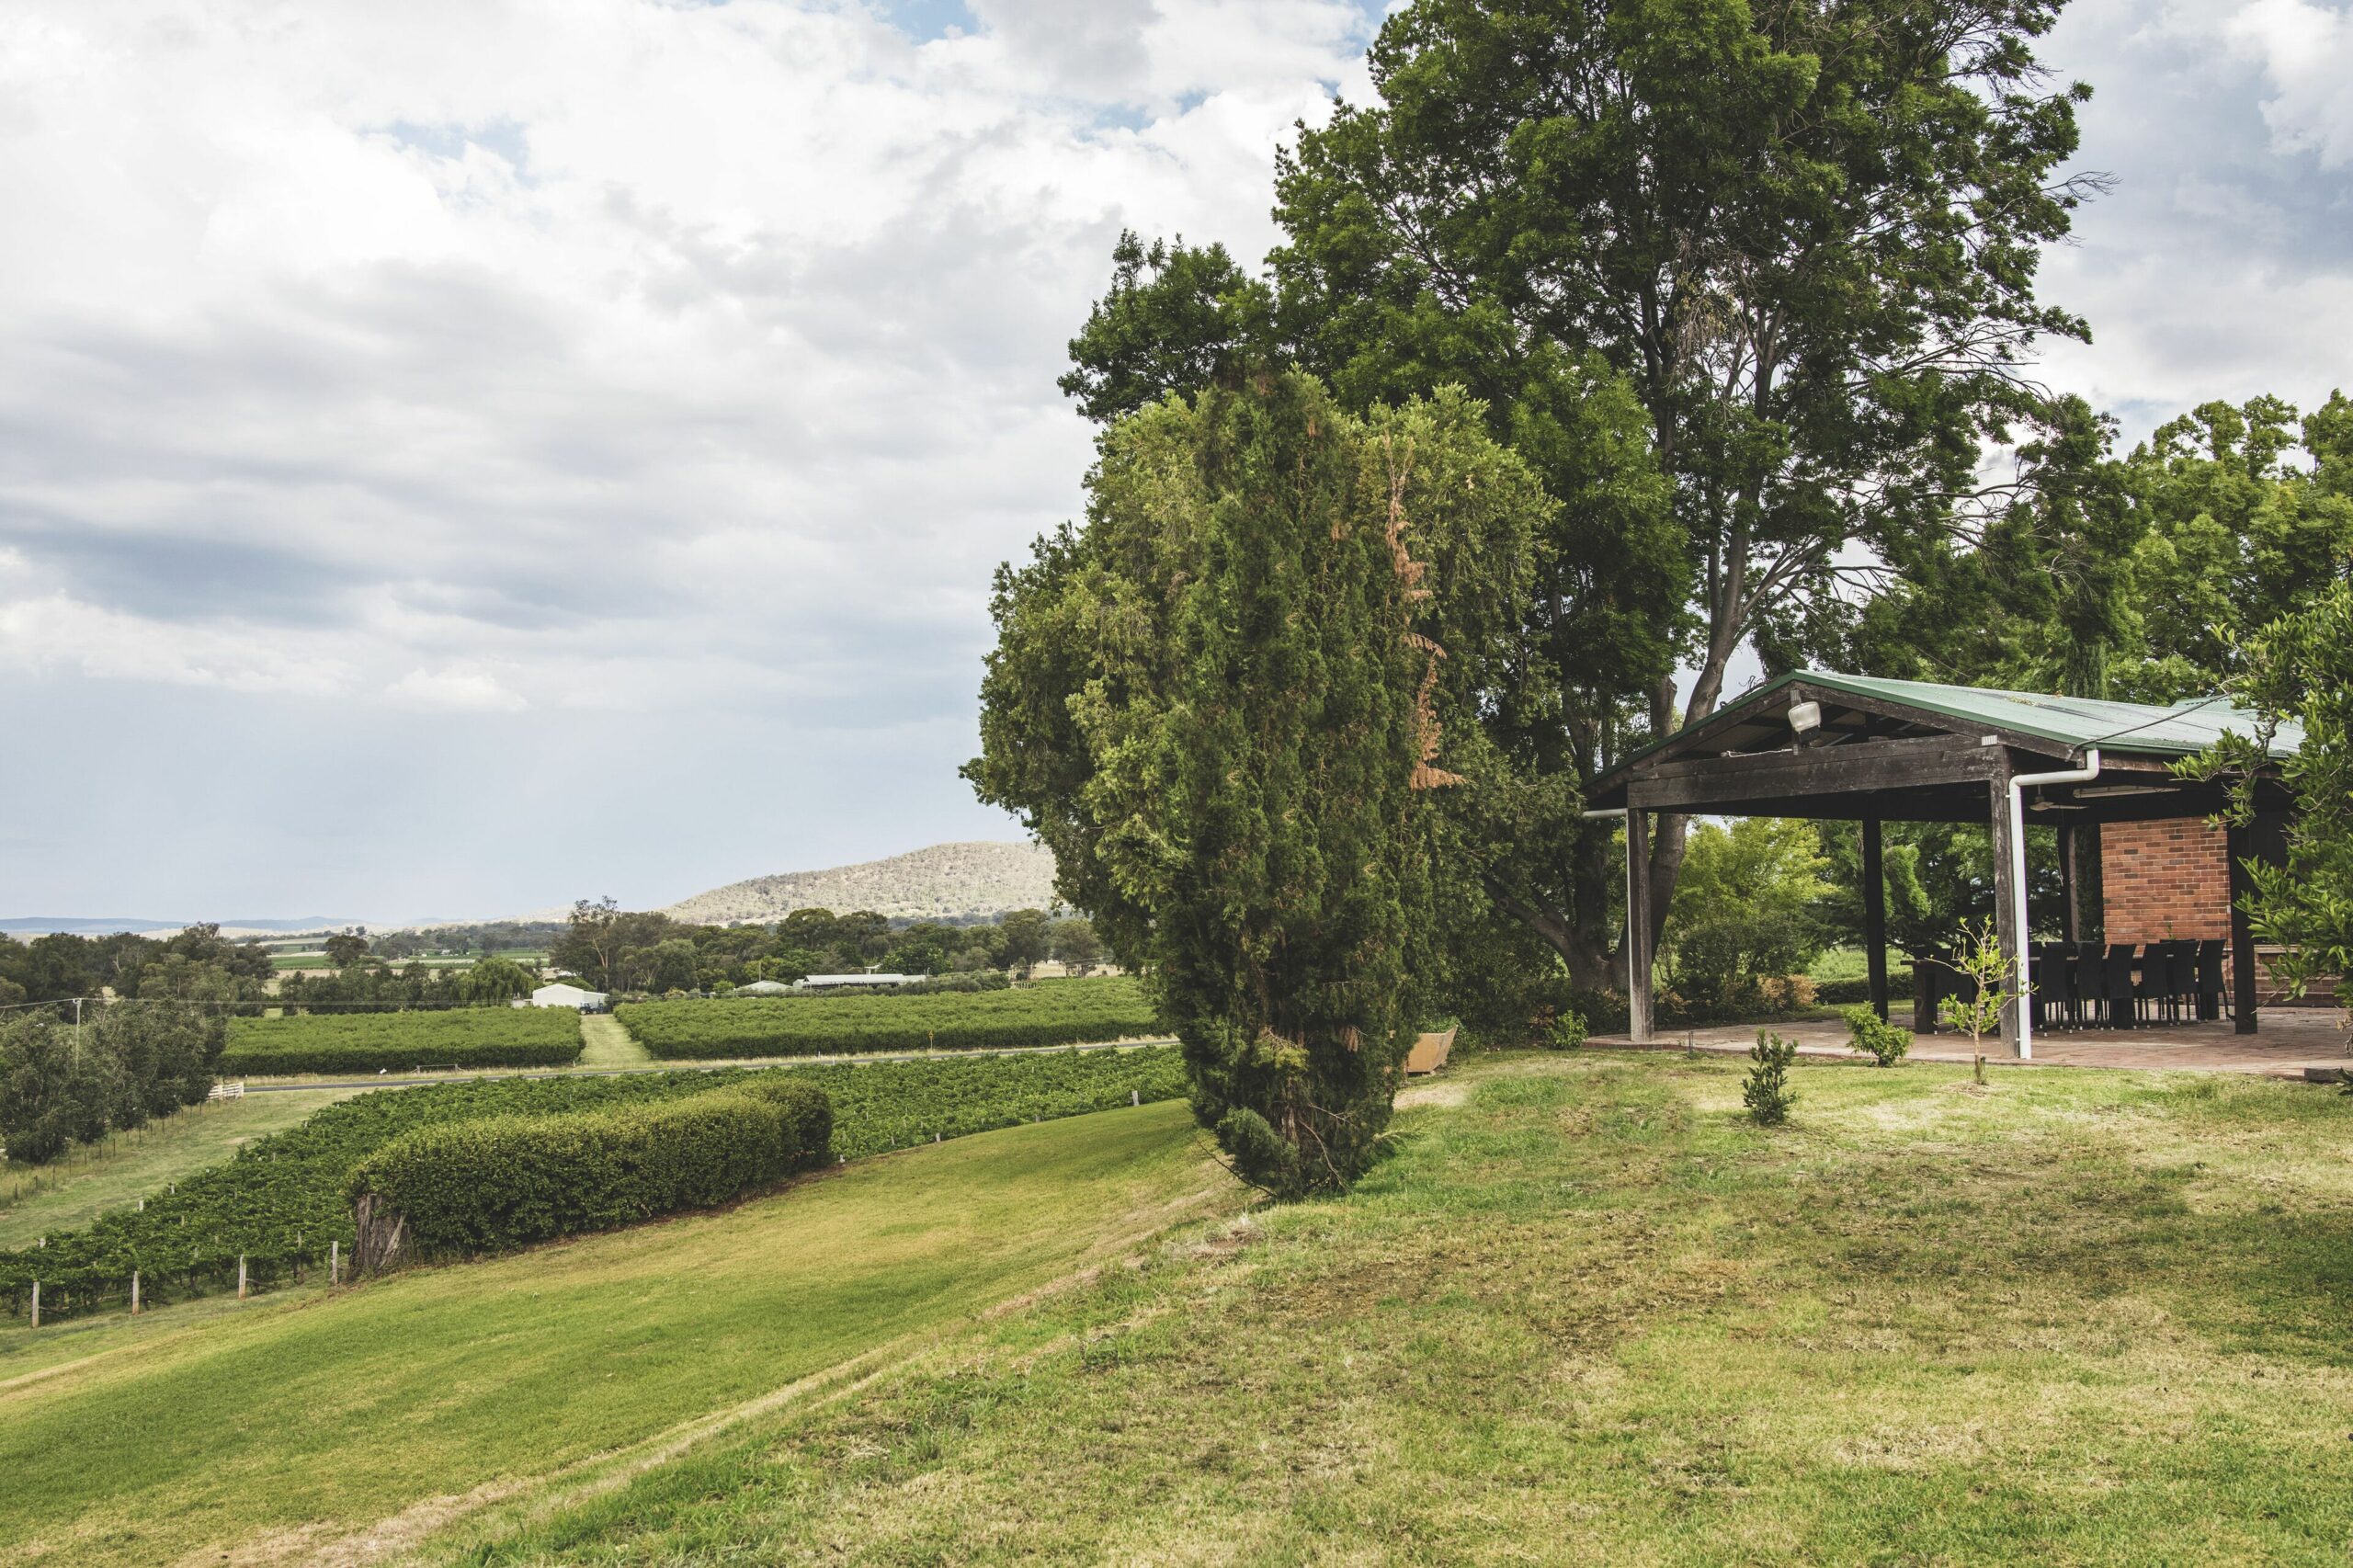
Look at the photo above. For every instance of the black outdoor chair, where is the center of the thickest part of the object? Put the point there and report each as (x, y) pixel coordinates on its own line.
(2091, 989)
(2056, 993)
(2181, 971)
(2153, 992)
(2213, 998)
(2116, 984)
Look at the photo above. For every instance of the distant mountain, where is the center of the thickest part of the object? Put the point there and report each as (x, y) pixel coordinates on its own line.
(946, 882)
(76, 925)
(82, 926)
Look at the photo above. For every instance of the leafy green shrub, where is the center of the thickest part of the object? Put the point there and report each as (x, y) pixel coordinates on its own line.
(1767, 1091)
(1567, 1029)
(370, 1042)
(1068, 1012)
(505, 1181)
(1873, 1035)
(280, 1202)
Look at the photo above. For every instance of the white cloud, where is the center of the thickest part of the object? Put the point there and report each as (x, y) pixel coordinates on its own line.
(2306, 52)
(717, 337)
(455, 691)
(54, 634)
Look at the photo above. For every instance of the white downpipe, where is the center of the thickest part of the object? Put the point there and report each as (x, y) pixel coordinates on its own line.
(1620, 812)
(2018, 784)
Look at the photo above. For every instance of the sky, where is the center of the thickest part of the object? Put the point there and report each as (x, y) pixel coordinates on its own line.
(456, 458)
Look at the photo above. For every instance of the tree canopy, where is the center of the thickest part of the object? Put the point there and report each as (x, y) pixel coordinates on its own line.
(1748, 287)
(1232, 704)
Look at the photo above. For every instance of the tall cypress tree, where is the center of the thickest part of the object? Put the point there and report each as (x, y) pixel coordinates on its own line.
(1225, 705)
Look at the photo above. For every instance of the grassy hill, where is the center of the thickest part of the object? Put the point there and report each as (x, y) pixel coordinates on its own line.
(944, 881)
(1587, 1313)
(1590, 1316)
(279, 1430)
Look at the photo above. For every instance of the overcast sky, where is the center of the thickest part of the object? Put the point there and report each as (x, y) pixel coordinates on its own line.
(456, 458)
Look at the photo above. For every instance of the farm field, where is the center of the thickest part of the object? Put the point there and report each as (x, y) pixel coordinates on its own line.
(1588, 1313)
(276, 1429)
(369, 1042)
(1062, 1012)
(279, 1202)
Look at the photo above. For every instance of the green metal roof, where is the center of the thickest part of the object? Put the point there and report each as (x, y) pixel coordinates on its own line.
(2075, 722)
(2177, 730)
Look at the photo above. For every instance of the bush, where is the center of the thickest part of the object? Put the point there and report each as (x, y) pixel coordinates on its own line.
(1565, 1030)
(1767, 1091)
(370, 1042)
(500, 1182)
(1873, 1035)
(1066, 1012)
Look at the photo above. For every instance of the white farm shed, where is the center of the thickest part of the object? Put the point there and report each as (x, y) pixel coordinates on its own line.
(852, 981)
(763, 988)
(571, 996)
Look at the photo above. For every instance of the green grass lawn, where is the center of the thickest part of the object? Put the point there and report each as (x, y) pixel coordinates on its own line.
(1833, 964)
(1588, 1313)
(604, 1043)
(273, 1430)
(89, 1180)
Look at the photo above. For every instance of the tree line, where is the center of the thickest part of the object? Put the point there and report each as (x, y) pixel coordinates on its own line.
(196, 964)
(122, 1065)
(647, 952)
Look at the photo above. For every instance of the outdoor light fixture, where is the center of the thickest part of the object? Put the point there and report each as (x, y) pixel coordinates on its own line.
(1805, 716)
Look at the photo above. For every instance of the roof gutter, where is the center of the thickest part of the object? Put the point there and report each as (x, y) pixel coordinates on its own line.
(2020, 782)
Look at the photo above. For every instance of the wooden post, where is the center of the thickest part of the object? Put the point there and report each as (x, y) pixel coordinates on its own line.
(1638, 926)
(334, 1261)
(2005, 908)
(134, 1292)
(1874, 918)
(240, 1277)
(2071, 913)
(35, 1304)
(2240, 845)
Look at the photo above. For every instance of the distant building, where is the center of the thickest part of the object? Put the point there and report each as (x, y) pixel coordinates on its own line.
(571, 996)
(763, 988)
(853, 981)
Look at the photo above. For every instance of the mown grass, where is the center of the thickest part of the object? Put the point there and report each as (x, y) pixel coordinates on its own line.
(92, 1179)
(274, 1430)
(1590, 1314)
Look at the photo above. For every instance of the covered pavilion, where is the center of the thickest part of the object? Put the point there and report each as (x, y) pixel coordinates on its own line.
(1822, 746)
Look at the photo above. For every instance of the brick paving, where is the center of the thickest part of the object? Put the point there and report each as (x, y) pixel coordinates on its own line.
(2292, 1043)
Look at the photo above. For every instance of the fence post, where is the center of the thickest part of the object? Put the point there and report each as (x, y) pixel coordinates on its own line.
(134, 1292)
(1135, 1097)
(240, 1277)
(35, 1304)
(334, 1261)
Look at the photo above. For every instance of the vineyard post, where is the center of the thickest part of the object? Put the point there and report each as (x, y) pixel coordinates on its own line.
(35, 1304)
(240, 1277)
(334, 1261)
(134, 1292)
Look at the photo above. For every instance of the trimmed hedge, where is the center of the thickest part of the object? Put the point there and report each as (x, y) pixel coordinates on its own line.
(370, 1042)
(1062, 1012)
(506, 1181)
